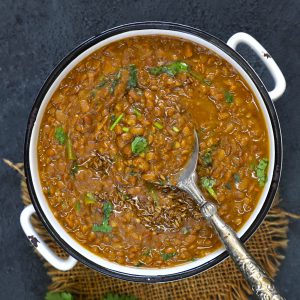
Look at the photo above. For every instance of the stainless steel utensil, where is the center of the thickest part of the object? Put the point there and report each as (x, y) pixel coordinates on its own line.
(257, 278)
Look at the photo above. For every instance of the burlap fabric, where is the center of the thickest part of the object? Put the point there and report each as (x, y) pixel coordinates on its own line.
(220, 282)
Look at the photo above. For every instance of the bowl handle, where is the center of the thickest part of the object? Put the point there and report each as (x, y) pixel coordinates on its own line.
(244, 38)
(40, 245)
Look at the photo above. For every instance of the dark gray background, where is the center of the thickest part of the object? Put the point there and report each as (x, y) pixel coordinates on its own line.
(35, 35)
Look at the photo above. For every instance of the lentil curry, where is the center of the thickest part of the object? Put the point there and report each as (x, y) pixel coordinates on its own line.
(122, 122)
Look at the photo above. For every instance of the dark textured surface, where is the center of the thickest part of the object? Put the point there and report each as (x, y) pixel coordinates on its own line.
(35, 35)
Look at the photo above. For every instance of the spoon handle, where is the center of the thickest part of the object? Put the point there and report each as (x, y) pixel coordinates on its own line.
(257, 278)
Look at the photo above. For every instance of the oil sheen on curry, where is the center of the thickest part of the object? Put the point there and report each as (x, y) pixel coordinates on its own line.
(121, 124)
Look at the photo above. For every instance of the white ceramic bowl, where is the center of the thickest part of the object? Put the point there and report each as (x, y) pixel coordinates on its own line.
(40, 204)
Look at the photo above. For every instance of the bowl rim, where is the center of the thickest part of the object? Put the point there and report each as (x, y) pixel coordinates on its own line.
(165, 26)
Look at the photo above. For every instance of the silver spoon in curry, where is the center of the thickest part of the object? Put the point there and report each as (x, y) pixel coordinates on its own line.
(256, 277)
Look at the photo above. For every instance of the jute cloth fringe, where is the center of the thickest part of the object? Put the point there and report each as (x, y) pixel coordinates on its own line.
(222, 282)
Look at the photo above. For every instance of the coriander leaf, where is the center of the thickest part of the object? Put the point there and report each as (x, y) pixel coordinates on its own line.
(261, 171)
(104, 226)
(207, 159)
(77, 206)
(139, 264)
(208, 184)
(139, 145)
(115, 82)
(89, 198)
(167, 256)
(111, 296)
(70, 152)
(158, 125)
(170, 69)
(228, 186)
(154, 196)
(200, 78)
(137, 112)
(132, 81)
(60, 135)
(237, 178)
(74, 168)
(118, 120)
(228, 96)
(59, 296)
(107, 209)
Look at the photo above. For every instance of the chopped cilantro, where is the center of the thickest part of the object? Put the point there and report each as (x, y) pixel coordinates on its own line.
(208, 184)
(139, 145)
(158, 125)
(237, 178)
(207, 159)
(139, 264)
(74, 168)
(59, 296)
(60, 135)
(115, 82)
(77, 206)
(170, 69)
(111, 296)
(115, 123)
(228, 96)
(89, 198)
(104, 226)
(70, 152)
(261, 171)
(132, 81)
(228, 186)
(167, 256)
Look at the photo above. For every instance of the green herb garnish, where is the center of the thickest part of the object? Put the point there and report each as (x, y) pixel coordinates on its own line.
(200, 77)
(89, 198)
(139, 264)
(132, 81)
(110, 296)
(167, 256)
(261, 171)
(154, 196)
(77, 206)
(137, 112)
(228, 96)
(175, 129)
(237, 178)
(158, 125)
(60, 135)
(170, 69)
(207, 159)
(115, 82)
(115, 123)
(208, 184)
(125, 129)
(70, 153)
(139, 145)
(59, 296)
(228, 186)
(104, 226)
(74, 168)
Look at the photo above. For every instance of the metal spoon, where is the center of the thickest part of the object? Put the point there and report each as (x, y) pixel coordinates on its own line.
(256, 277)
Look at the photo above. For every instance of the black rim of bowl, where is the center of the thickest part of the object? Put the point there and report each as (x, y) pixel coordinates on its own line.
(166, 26)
